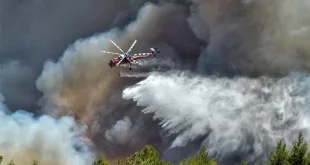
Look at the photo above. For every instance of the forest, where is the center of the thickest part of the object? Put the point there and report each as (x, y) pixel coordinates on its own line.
(296, 154)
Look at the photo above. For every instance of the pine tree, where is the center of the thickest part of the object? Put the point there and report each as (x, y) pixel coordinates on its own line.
(200, 158)
(280, 157)
(101, 161)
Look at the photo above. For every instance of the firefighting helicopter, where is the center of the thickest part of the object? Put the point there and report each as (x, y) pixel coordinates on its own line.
(124, 58)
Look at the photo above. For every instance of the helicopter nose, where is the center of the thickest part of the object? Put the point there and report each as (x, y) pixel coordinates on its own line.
(110, 63)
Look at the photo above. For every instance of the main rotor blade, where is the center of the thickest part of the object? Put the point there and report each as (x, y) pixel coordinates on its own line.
(110, 52)
(132, 46)
(120, 61)
(117, 46)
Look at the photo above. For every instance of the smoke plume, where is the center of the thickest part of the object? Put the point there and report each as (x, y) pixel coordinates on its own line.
(121, 132)
(253, 37)
(33, 31)
(51, 50)
(25, 139)
(81, 83)
(81, 76)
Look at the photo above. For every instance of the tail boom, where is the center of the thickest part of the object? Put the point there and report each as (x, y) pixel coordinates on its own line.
(154, 51)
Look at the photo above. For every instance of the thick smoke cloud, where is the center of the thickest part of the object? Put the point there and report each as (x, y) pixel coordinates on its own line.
(253, 37)
(121, 132)
(128, 135)
(44, 139)
(33, 31)
(81, 83)
(250, 37)
(240, 118)
(81, 79)
(32, 26)
(15, 83)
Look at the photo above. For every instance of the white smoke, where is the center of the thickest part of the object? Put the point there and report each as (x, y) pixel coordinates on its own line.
(244, 116)
(121, 132)
(83, 65)
(25, 138)
(241, 115)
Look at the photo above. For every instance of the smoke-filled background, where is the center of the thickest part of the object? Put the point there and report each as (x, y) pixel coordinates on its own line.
(231, 75)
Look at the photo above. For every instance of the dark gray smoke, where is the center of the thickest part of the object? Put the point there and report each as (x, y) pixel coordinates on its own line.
(251, 37)
(33, 31)
(16, 83)
(82, 85)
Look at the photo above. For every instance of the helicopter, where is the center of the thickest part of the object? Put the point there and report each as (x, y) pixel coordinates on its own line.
(126, 58)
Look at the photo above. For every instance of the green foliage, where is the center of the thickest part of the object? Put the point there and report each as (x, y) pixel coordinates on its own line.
(200, 158)
(243, 163)
(148, 155)
(119, 162)
(11, 162)
(298, 152)
(101, 161)
(298, 155)
(281, 155)
(307, 159)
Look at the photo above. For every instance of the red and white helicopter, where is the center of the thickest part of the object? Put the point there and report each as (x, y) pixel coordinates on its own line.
(125, 58)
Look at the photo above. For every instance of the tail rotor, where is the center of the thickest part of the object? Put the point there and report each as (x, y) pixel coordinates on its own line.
(154, 51)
